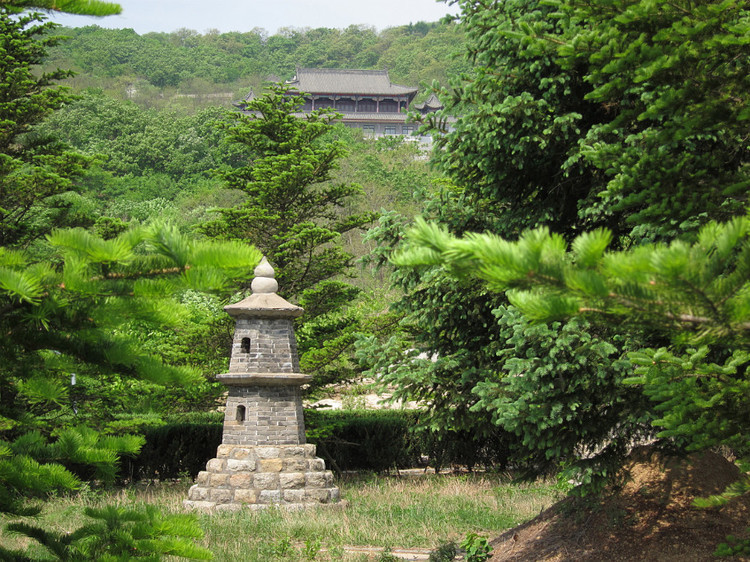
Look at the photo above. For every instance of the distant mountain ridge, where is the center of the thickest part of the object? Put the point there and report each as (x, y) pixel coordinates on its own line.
(186, 62)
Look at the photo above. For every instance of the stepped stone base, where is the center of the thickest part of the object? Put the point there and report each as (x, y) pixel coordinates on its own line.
(259, 476)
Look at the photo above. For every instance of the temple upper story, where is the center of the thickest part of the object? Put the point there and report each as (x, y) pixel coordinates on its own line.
(351, 91)
(366, 99)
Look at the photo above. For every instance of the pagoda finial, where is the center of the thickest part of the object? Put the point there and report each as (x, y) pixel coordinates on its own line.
(264, 281)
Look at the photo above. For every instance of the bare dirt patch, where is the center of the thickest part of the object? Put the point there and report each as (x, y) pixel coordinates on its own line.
(652, 518)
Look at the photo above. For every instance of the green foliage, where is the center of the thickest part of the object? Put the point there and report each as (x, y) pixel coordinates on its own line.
(387, 556)
(174, 450)
(372, 440)
(34, 168)
(579, 119)
(696, 292)
(69, 317)
(203, 63)
(140, 142)
(673, 149)
(477, 548)
(80, 7)
(733, 547)
(118, 534)
(295, 212)
(690, 293)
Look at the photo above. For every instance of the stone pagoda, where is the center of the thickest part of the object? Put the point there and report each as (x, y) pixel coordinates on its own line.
(263, 459)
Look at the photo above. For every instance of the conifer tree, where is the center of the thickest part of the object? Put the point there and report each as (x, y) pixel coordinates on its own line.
(295, 213)
(622, 115)
(69, 312)
(34, 169)
(696, 296)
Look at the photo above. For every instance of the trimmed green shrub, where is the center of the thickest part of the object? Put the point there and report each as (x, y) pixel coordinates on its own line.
(174, 450)
(376, 440)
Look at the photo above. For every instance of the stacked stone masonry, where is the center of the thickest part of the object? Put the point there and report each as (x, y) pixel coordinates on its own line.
(256, 477)
(264, 415)
(264, 345)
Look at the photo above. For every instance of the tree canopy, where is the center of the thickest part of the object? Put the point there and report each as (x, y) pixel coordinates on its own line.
(622, 120)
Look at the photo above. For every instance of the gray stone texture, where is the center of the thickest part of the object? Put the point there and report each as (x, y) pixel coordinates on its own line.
(269, 346)
(220, 485)
(272, 416)
(263, 458)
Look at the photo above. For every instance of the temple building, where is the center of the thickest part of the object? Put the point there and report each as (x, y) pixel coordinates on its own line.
(367, 99)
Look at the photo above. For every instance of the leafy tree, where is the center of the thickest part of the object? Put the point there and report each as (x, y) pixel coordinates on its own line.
(65, 319)
(117, 534)
(518, 118)
(672, 76)
(294, 213)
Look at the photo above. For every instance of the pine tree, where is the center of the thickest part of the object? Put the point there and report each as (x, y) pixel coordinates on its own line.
(695, 296)
(625, 116)
(70, 312)
(295, 213)
(69, 318)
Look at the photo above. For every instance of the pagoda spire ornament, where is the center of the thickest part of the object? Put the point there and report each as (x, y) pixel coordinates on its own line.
(263, 459)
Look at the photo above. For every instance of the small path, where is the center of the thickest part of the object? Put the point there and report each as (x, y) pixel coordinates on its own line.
(402, 553)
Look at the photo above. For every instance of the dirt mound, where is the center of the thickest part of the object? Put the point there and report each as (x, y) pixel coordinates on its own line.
(652, 518)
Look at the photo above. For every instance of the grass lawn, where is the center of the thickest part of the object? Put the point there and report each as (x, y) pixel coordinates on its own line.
(393, 512)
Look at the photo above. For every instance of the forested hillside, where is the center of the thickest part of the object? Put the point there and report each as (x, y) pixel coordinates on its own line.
(146, 115)
(151, 67)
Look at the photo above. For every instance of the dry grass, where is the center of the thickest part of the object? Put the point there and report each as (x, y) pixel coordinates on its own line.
(382, 511)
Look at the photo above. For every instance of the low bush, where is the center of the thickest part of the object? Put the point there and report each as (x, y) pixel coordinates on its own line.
(375, 440)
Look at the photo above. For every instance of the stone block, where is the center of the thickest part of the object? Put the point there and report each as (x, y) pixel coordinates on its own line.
(268, 452)
(199, 506)
(271, 465)
(198, 493)
(269, 496)
(317, 479)
(266, 480)
(295, 465)
(241, 466)
(216, 465)
(202, 478)
(222, 452)
(335, 494)
(319, 495)
(293, 480)
(217, 480)
(293, 496)
(309, 450)
(241, 480)
(316, 465)
(294, 452)
(246, 496)
(223, 495)
(241, 453)
(228, 507)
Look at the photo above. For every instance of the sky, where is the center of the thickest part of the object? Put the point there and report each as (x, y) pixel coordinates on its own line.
(243, 15)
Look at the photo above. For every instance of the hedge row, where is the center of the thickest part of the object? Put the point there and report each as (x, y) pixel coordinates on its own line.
(376, 440)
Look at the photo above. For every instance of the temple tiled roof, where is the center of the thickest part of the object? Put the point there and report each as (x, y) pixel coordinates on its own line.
(347, 81)
(432, 103)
